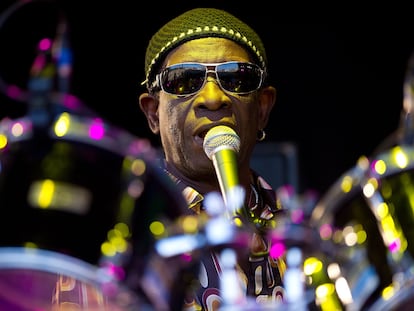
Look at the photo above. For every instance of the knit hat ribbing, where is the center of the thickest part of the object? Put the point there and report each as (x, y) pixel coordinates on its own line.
(200, 23)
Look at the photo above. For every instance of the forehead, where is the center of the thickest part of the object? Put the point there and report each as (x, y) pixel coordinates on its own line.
(207, 50)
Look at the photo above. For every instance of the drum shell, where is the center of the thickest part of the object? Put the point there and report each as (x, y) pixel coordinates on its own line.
(88, 172)
(64, 196)
(366, 217)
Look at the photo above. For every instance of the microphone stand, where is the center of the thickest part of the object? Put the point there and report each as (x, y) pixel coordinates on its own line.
(407, 119)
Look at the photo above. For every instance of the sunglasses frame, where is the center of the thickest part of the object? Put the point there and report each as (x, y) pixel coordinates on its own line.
(209, 68)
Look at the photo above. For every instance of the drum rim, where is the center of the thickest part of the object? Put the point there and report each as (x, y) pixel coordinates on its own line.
(114, 139)
(26, 259)
(52, 262)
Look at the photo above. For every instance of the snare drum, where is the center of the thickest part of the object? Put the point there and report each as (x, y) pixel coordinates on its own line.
(82, 204)
(367, 220)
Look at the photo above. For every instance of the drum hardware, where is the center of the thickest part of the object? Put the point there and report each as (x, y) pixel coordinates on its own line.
(309, 280)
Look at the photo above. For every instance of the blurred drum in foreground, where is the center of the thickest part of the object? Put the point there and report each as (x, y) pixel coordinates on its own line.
(367, 219)
(308, 282)
(82, 204)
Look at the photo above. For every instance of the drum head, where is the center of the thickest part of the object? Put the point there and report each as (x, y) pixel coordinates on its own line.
(78, 199)
(367, 220)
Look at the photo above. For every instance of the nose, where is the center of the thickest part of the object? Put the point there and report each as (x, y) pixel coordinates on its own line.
(212, 96)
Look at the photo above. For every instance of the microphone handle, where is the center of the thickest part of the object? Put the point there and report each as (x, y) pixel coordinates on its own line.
(225, 164)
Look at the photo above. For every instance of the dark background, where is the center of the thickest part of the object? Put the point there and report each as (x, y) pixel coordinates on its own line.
(340, 87)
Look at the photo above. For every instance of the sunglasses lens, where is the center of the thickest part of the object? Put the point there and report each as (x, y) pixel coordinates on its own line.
(183, 79)
(188, 78)
(239, 77)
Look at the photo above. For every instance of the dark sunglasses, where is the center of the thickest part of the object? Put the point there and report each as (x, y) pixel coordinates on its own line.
(186, 79)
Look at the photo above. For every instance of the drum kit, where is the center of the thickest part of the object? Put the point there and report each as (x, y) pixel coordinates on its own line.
(90, 222)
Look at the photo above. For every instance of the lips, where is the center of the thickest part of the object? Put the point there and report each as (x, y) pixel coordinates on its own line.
(199, 138)
(202, 134)
(202, 131)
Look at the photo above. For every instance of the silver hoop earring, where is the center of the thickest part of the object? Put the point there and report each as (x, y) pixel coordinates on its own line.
(261, 135)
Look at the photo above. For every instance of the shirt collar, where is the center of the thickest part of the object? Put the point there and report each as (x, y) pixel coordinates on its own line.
(263, 206)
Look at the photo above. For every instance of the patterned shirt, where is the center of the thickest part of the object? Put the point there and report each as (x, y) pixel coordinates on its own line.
(261, 275)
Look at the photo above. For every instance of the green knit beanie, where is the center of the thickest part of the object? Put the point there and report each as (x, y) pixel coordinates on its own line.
(199, 23)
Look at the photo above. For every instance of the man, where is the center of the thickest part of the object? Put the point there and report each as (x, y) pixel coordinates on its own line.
(204, 69)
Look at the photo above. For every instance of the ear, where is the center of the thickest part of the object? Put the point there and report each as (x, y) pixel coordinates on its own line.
(267, 99)
(149, 105)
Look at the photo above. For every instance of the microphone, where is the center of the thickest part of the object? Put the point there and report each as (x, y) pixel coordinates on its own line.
(221, 145)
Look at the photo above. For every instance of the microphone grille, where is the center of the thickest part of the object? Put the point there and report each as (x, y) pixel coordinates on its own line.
(220, 137)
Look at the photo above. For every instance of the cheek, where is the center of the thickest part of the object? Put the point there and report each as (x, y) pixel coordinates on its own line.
(170, 118)
(250, 115)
